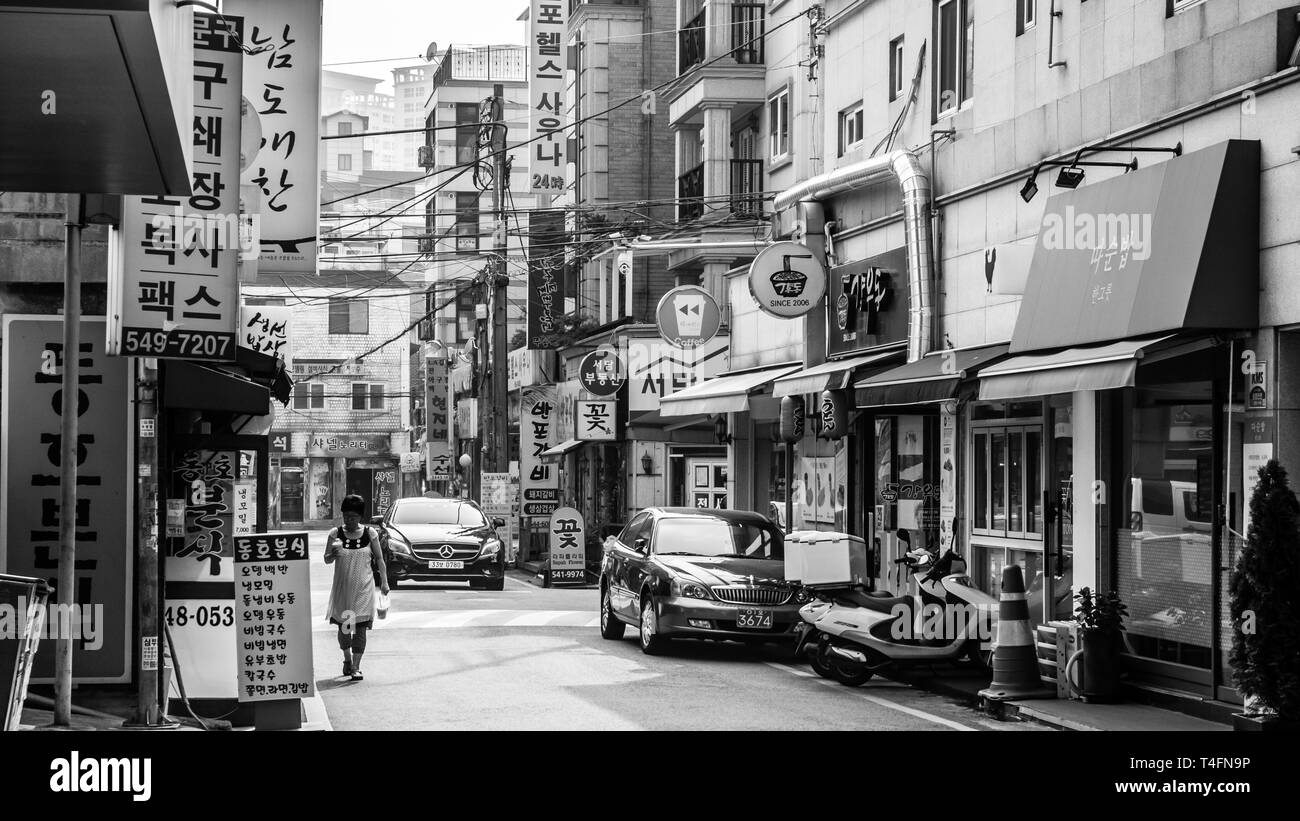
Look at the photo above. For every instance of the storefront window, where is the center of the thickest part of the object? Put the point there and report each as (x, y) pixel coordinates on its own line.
(291, 490)
(1006, 471)
(1165, 550)
(906, 496)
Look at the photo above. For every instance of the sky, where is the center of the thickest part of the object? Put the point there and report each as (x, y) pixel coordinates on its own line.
(400, 30)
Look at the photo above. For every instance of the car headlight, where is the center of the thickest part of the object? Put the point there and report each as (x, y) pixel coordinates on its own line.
(491, 547)
(398, 545)
(690, 589)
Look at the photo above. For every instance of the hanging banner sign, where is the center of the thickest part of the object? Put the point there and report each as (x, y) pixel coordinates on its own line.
(1257, 386)
(539, 482)
(265, 329)
(436, 384)
(30, 406)
(282, 86)
(385, 490)
(947, 474)
(568, 560)
(438, 461)
(176, 292)
(688, 317)
(245, 515)
(547, 63)
(834, 412)
(787, 280)
(546, 297)
(273, 598)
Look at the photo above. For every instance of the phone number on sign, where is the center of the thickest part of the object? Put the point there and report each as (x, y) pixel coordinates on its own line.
(187, 344)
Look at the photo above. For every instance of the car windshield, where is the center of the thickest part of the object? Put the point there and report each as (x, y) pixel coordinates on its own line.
(436, 512)
(701, 536)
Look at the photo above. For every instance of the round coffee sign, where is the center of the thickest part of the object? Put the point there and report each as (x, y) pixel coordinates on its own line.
(602, 372)
(787, 280)
(688, 316)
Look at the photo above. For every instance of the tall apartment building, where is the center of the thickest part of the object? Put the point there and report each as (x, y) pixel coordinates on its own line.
(412, 86)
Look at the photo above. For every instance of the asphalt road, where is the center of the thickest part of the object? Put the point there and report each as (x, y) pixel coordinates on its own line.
(531, 658)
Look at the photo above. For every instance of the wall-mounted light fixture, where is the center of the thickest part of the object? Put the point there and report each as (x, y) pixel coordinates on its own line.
(720, 433)
(647, 464)
(1075, 174)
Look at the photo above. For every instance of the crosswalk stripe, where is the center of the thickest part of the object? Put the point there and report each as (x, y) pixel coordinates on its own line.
(452, 619)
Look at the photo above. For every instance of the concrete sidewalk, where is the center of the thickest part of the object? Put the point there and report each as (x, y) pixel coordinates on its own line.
(39, 718)
(1062, 714)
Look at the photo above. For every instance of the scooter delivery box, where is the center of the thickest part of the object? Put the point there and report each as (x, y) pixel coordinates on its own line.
(826, 559)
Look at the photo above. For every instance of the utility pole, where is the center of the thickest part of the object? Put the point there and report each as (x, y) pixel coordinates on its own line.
(147, 539)
(493, 425)
(68, 453)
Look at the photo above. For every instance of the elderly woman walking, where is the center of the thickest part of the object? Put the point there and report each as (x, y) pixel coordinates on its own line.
(354, 551)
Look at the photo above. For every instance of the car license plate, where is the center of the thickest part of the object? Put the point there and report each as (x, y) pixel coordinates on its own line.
(752, 619)
(441, 565)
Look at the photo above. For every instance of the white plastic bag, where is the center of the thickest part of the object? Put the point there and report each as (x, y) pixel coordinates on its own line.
(381, 605)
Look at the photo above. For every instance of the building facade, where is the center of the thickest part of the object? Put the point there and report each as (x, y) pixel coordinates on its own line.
(1058, 246)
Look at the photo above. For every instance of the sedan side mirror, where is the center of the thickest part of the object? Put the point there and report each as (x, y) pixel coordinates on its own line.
(497, 521)
(641, 545)
(376, 520)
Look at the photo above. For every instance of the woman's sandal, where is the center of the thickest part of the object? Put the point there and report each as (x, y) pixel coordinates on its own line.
(356, 676)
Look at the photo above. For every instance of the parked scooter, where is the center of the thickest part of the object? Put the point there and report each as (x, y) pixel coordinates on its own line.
(850, 634)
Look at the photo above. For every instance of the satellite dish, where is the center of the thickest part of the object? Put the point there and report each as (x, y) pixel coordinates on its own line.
(431, 52)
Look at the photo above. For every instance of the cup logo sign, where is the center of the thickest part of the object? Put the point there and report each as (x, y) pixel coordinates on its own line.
(688, 317)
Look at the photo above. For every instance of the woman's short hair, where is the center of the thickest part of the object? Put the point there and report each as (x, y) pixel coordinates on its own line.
(352, 503)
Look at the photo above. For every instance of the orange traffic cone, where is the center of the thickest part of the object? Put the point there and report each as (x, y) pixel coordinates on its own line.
(1015, 659)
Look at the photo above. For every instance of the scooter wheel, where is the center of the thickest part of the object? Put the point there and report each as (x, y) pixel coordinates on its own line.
(821, 668)
(850, 678)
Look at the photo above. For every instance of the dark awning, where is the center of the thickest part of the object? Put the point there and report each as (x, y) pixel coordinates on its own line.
(198, 387)
(121, 73)
(932, 378)
(834, 374)
(1098, 368)
(1191, 230)
(266, 370)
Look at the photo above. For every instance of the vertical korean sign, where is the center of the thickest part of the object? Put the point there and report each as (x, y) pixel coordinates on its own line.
(568, 560)
(545, 279)
(177, 291)
(539, 482)
(100, 624)
(273, 589)
(546, 66)
(435, 400)
(282, 90)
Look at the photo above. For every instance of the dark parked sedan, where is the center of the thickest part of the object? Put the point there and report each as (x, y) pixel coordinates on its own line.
(443, 540)
(695, 573)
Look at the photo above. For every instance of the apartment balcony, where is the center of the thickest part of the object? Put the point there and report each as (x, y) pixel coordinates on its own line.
(720, 52)
(745, 187)
(690, 194)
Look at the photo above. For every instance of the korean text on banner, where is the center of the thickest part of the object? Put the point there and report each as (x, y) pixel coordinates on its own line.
(546, 293)
(273, 584)
(177, 288)
(547, 63)
(435, 399)
(282, 85)
(29, 481)
(265, 329)
(539, 482)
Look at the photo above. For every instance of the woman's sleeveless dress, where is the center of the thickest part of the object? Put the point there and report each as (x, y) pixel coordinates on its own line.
(352, 597)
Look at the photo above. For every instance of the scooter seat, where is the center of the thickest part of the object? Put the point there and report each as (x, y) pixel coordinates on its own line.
(881, 603)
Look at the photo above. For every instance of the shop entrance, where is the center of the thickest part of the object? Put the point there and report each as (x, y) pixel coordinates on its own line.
(707, 479)
(291, 491)
(361, 482)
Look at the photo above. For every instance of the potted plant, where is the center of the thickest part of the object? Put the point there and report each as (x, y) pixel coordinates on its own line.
(1265, 607)
(1101, 625)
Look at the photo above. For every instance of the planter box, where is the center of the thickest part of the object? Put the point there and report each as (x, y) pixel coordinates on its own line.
(1244, 722)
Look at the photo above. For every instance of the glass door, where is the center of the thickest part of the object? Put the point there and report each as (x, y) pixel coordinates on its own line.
(708, 482)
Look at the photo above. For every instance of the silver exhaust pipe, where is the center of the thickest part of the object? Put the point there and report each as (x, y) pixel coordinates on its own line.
(845, 653)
